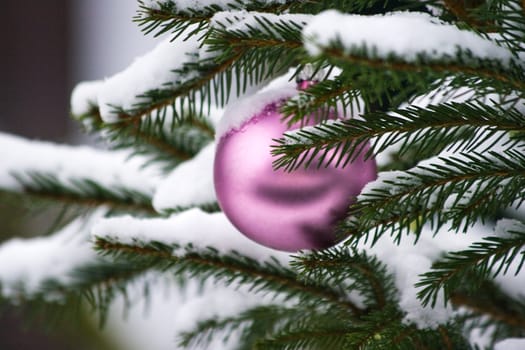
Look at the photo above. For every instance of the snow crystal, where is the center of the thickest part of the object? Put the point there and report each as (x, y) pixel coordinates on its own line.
(148, 72)
(26, 263)
(406, 34)
(112, 169)
(192, 226)
(189, 184)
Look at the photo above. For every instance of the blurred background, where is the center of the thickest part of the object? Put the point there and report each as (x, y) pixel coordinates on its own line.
(47, 48)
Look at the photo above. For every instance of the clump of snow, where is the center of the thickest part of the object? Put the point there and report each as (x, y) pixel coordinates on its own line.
(199, 5)
(189, 184)
(153, 4)
(245, 21)
(84, 97)
(112, 169)
(407, 261)
(510, 344)
(189, 227)
(505, 227)
(405, 34)
(238, 113)
(147, 72)
(26, 263)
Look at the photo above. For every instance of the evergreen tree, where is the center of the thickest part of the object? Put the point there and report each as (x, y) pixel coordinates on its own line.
(433, 248)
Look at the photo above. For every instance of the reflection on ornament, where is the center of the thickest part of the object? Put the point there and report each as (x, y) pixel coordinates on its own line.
(282, 210)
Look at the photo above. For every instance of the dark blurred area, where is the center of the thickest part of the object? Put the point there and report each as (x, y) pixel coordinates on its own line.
(34, 89)
(34, 94)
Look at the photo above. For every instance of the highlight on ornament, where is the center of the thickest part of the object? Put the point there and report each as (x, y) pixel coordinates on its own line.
(288, 211)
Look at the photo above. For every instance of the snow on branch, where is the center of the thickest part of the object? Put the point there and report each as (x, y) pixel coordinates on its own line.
(192, 227)
(200, 5)
(25, 264)
(404, 34)
(188, 185)
(258, 22)
(163, 65)
(84, 97)
(69, 164)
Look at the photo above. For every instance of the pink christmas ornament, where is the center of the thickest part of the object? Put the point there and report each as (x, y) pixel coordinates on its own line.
(283, 210)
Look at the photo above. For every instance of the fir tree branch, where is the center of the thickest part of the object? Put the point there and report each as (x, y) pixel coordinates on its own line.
(256, 323)
(490, 306)
(97, 284)
(168, 18)
(385, 329)
(358, 271)
(463, 11)
(432, 193)
(429, 129)
(488, 258)
(482, 309)
(170, 139)
(243, 57)
(320, 100)
(83, 192)
(228, 268)
(305, 339)
(482, 68)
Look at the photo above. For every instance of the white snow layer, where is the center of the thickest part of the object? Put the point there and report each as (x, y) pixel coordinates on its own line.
(112, 169)
(26, 263)
(407, 261)
(244, 21)
(199, 5)
(238, 113)
(148, 72)
(189, 227)
(189, 184)
(405, 34)
(85, 96)
(510, 344)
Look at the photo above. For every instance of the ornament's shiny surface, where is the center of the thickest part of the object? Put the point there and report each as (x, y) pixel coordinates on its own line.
(278, 209)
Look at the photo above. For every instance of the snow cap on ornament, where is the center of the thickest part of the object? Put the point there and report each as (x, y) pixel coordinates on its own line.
(283, 210)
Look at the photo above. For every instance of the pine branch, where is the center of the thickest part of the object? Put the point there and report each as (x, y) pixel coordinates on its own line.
(234, 61)
(495, 312)
(434, 193)
(305, 339)
(489, 258)
(464, 64)
(160, 136)
(386, 330)
(166, 17)
(355, 271)
(321, 101)
(493, 303)
(254, 323)
(98, 284)
(463, 10)
(424, 131)
(270, 276)
(84, 192)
